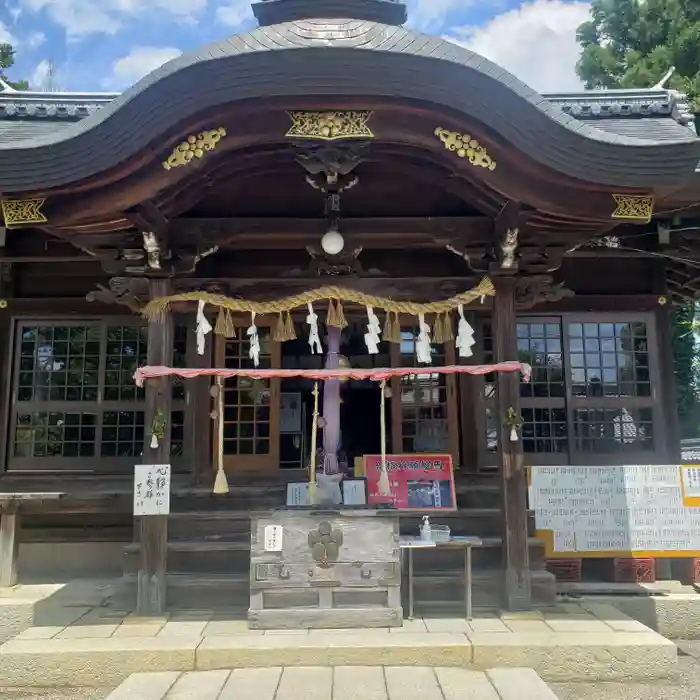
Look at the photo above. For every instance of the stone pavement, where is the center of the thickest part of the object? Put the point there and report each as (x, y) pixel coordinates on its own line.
(341, 683)
(87, 635)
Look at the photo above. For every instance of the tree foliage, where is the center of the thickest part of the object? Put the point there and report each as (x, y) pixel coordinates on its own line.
(7, 60)
(685, 368)
(633, 43)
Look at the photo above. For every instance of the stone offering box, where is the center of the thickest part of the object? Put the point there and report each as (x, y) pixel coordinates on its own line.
(316, 569)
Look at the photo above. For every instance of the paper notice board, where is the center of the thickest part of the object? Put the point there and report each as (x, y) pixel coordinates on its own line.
(625, 511)
(420, 482)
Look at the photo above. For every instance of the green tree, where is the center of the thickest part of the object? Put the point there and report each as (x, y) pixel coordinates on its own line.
(685, 368)
(7, 60)
(633, 44)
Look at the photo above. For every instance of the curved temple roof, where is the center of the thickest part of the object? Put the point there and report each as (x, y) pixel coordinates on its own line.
(641, 138)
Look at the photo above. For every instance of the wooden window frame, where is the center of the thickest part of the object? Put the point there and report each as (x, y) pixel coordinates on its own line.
(96, 462)
(570, 403)
(254, 464)
(451, 399)
(608, 402)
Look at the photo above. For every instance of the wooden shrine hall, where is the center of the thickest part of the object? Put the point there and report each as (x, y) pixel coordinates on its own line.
(329, 148)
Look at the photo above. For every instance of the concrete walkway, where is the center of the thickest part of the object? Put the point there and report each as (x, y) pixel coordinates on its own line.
(343, 683)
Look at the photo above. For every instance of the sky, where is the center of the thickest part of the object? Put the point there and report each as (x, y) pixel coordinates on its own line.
(108, 45)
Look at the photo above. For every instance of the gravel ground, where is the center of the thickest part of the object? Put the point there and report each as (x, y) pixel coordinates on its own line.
(57, 694)
(684, 687)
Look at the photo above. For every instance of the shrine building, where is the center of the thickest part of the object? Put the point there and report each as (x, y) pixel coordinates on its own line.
(330, 149)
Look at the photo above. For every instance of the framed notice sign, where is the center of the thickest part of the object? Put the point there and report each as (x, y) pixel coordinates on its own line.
(152, 489)
(421, 482)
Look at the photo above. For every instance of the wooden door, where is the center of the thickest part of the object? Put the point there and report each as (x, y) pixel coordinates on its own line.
(251, 407)
(424, 412)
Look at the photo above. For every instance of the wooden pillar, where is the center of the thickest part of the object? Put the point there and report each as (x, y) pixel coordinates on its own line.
(9, 549)
(151, 596)
(516, 561)
(198, 407)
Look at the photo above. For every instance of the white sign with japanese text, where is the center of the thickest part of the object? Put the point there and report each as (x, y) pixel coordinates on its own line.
(152, 489)
(273, 538)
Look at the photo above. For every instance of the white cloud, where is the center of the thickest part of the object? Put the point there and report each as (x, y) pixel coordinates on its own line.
(40, 78)
(34, 40)
(234, 13)
(536, 42)
(82, 17)
(6, 36)
(140, 61)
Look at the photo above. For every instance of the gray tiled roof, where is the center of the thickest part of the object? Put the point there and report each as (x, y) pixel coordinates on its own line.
(655, 114)
(351, 57)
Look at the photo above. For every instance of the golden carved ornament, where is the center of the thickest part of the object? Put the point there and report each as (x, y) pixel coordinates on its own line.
(194, 147)
(633, 207)
(466, 147)
(20, 212)
(329, 126)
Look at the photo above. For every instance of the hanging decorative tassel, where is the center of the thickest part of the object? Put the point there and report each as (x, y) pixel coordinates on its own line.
(278, 335)
(220, 325)
(447, 329)
(424, 353)
(221, 482)
(514, 422)
(513, 434)
(229, 326)
(314, 339)
(372, 337)
(154, 442)
(335, 318)
(289, 331)
(438, 330)
(252, 333)
(392, 327)
(340, 315)
(465, 335)
(203, 328)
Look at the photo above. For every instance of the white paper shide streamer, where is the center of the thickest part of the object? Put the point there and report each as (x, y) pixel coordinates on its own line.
(465, 335)
(424, 353)
(314, 339)
(252, 333)
(203, 328)
(372, 337)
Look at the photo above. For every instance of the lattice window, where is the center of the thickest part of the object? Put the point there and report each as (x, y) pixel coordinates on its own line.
(609, 359)
(423, 401)
(74, 395)
(247, 413)
(612, 430)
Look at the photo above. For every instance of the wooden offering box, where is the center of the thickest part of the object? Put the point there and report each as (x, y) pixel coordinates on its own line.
(316, 569)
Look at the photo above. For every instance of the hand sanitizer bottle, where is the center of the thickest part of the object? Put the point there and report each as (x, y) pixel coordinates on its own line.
(425, 532)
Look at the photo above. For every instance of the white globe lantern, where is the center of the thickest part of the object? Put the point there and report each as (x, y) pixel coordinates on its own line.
(332, 242)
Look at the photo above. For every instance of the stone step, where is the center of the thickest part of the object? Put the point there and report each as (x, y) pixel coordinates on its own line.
(336, 683)
(556, 656)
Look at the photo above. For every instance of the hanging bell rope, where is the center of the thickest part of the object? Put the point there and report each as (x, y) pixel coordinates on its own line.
(383, 484)
(221, 482)
(312, 460)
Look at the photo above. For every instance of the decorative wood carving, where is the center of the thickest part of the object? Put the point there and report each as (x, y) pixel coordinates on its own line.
(533, 290)
(631, 207)
(464, 146)
(21, 212)
(330, 126)
(194, 147)
(341, 265)
(120, 291)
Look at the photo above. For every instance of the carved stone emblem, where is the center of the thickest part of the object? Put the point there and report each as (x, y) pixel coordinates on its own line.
(325, 543)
